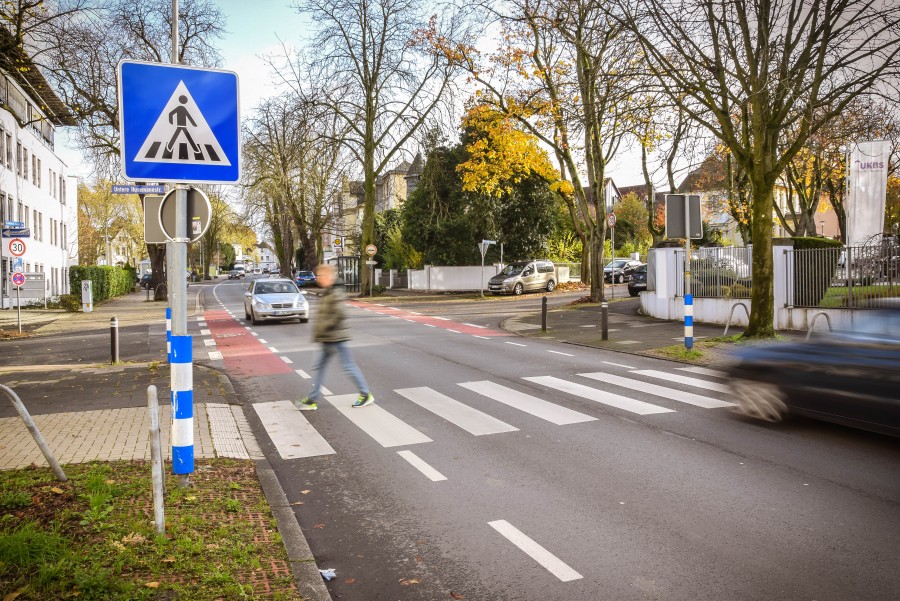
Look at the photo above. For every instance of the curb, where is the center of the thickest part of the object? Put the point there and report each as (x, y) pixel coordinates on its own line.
(303, 564)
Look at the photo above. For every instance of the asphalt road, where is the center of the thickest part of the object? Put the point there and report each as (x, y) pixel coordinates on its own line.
(492, 468)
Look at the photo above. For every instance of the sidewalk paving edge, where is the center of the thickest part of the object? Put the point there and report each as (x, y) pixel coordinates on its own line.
(300, 557)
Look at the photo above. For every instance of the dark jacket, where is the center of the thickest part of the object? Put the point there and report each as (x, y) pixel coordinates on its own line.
(329, 323)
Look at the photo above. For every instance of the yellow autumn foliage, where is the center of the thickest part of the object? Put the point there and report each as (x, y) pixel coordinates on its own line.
(503, 155)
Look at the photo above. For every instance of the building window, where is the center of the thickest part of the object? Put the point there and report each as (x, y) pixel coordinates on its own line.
(37, 234)
(34, 170)
(4, 216)
(2, 147)
(9, 151)
(25, 164)
(18, 158)
(62, 235)
(26, 216)
(40, 227)
(62, 189)
(37, 173)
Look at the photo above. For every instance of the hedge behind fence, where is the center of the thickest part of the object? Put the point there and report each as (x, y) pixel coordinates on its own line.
(813, 274)
(107, 281)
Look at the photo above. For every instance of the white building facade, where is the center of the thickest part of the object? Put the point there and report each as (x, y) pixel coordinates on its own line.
(35, 189)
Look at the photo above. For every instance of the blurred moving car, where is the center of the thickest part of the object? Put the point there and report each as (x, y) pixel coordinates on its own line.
(305, 278)
(638, 281)
(523, 276)
(620, 270)
(274, 299)
(850, 378)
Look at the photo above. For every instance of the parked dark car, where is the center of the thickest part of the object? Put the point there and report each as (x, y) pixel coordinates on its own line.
(850, 378)
(145, 280)
(305, 278)
(620, 270)
(638, 281)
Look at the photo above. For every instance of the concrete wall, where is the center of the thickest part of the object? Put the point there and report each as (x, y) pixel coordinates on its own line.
(442, 279)
(663, 304)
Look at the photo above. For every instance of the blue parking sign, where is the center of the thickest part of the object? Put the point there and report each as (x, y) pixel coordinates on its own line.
(178, 124)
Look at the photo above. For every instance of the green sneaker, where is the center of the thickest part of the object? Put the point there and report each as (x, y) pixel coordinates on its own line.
(306, 404)
(364, 399)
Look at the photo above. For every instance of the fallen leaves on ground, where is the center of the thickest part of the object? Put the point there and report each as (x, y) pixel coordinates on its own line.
(454, 595)
(408, 581)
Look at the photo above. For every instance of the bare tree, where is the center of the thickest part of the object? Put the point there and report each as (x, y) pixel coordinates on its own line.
(380, 82)
(763, 77)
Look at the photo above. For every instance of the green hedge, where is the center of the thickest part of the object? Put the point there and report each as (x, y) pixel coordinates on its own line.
(108, 282)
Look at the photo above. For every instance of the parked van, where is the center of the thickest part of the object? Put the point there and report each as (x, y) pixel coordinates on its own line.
(524, 276)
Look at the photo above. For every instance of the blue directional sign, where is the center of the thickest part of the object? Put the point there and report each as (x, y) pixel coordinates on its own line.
(178, 124)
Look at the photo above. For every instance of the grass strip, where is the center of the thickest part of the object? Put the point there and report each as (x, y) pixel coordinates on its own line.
(93, 537)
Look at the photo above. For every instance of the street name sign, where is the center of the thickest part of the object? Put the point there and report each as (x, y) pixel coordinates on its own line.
(120, 189)
(13, 224)
(178, 124)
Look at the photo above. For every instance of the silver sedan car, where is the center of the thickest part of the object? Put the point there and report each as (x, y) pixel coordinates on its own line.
(274, 299)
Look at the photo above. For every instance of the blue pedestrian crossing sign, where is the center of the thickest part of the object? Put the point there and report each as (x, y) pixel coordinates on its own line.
(178, 124)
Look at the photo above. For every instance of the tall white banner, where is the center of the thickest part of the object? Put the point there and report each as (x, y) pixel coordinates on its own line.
(867, 188)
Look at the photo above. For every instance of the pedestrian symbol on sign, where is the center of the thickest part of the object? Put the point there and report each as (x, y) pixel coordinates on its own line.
(181, 135)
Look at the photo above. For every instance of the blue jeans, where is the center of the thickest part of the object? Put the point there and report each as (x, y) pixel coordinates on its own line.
(350, 368)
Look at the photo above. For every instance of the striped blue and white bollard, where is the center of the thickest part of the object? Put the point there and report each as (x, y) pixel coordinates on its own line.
(168, 334)
(688, 321)
(182, 406)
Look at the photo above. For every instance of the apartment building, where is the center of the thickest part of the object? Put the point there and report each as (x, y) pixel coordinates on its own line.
(35, 189)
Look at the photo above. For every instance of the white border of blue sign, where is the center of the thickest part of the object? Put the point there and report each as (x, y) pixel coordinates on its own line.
(133, 133)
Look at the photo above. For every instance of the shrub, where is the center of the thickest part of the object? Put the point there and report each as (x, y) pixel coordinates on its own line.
(70, 302)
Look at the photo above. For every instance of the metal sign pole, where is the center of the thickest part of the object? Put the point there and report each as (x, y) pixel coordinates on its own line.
(688, 298)
(19, 307)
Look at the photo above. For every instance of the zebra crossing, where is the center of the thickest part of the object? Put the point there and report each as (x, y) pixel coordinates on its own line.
(294, 436)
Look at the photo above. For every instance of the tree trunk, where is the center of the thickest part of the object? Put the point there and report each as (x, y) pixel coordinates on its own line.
(157, 254)
(368, 224)
(762, 299)
(596, 267)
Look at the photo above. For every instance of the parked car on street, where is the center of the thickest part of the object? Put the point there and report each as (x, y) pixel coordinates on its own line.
(620, 270)
(274, 299)
(638, 281)
(850, 378)
(145, 280)
(524, 276)
(305, 278)
(235, 274)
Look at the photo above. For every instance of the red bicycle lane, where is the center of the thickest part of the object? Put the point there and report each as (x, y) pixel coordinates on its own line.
(438, 322)
(242, 352)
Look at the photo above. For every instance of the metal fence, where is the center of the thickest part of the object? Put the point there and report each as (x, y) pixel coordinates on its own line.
(853, 277)
(717, 272)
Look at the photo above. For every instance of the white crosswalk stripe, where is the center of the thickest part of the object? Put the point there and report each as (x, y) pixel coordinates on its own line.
(705, 371)
(697, 382)
(471, 420)
(545, 410)
(599, 396)
(669, 393)
(387, 430)
(291, 434)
